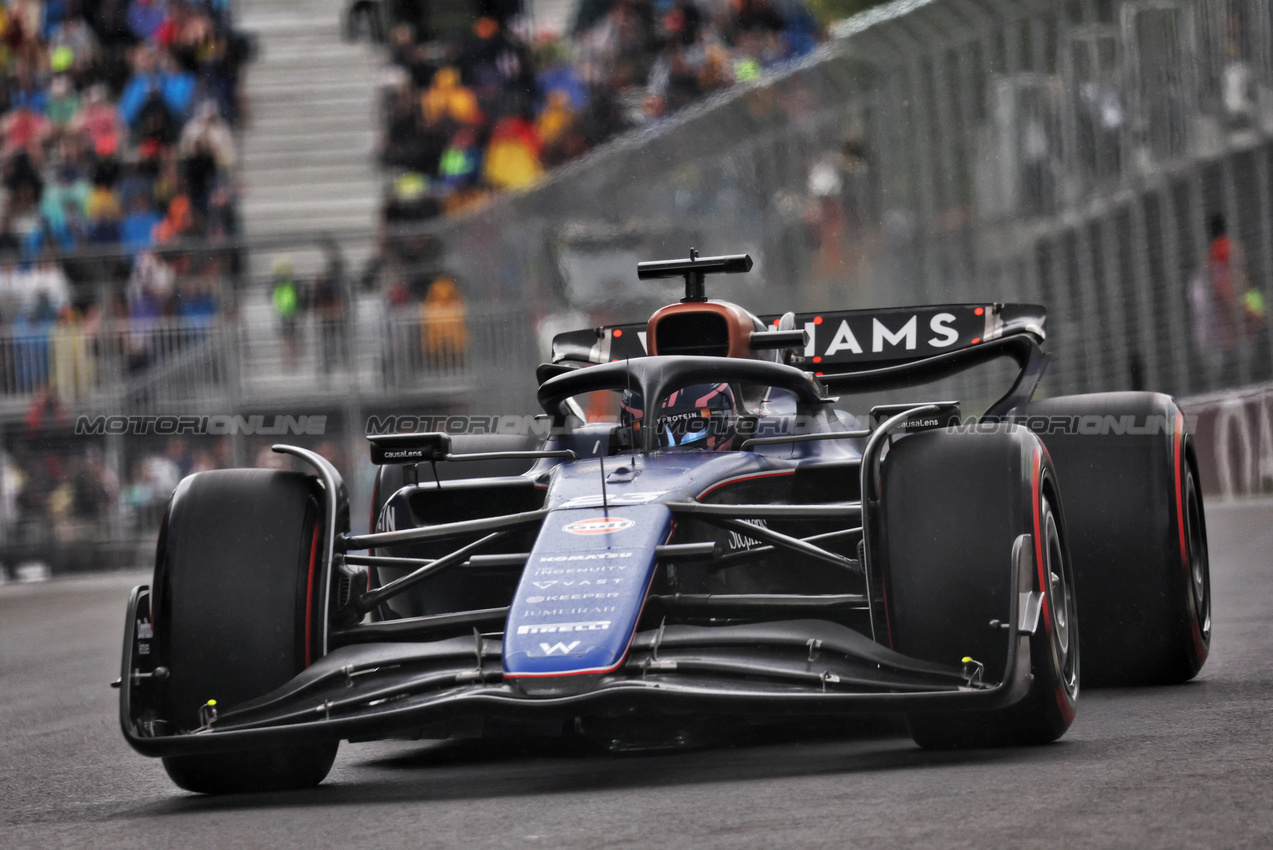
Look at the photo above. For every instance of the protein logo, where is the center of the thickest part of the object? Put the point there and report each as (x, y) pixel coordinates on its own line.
(598, 525)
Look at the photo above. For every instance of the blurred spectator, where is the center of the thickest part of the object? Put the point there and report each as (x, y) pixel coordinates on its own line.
(557, 119)
(329, 309)
(399, 295)
(445, 333)
(287, 306)
(72, 367)
(98, 118)
(207, 147)
(448, 99)
(458, 167)
(1228, 312)
(44, 411)
(513, 155)
(137, 230)
(144, 18)
(163, 471)
(158, 92)
(139, 498)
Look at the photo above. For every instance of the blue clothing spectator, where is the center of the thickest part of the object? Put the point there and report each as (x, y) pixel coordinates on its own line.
(144, 17)
(564, 78)
(137, 229)
(54, 15)
(197, 310)
(177, 89)
(33, 98)
(31, 352)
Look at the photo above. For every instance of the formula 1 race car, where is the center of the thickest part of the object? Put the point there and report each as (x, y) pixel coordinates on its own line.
(701, 537)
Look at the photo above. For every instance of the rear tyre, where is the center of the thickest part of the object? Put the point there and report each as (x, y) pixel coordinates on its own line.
(1138, 537)
(235, 615)
(953, 508)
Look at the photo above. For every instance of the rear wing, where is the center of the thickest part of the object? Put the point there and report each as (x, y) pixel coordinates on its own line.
(846, 342)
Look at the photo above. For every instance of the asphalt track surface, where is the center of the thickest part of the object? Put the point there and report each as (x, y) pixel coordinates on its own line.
(1188, 766)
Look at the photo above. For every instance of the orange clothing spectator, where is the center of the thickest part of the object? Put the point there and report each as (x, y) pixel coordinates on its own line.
(556, 118)
(446, 98)
(179, 220)
(445, 336)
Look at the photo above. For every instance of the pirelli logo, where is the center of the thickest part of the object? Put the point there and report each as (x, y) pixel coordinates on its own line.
(564, 628)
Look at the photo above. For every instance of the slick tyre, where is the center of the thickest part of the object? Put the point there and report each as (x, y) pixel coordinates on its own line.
(953, 507)
(235, 615)
(1138, 536)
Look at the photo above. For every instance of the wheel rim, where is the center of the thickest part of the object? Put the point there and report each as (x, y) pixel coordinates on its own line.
(1199, 569)
(1060, 601)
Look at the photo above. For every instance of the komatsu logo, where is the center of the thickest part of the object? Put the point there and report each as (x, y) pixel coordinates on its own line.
(559, 648)
(598, 525)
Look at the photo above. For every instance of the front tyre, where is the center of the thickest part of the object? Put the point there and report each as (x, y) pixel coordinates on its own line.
(234, 614)
(1049, 707)
(953, 508)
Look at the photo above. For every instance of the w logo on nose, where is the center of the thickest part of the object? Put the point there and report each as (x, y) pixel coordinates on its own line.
(558, 648)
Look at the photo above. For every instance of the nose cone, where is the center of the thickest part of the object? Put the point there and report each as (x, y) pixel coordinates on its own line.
(581, 595)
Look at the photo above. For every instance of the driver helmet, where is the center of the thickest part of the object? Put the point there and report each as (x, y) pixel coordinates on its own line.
(701, 417)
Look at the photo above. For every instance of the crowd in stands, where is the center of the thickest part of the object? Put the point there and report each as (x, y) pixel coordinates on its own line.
(59, 502)
(116, 120)
(492, 110)
(116, 149)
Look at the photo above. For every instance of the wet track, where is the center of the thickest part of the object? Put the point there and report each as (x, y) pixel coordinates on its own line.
(1184, 766)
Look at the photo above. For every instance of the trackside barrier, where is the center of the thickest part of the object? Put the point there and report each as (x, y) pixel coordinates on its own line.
(1233, 437)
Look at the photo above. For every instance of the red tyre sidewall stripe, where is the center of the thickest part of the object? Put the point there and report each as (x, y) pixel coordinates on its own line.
(1063, 701)
(309, 600)
(1044, 586)
(1199, 646)
(1180, 505)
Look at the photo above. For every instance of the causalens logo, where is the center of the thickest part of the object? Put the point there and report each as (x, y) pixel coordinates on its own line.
(218, 425)
(598, 525)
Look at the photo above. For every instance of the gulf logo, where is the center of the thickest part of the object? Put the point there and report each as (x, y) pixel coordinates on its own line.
(598, 525)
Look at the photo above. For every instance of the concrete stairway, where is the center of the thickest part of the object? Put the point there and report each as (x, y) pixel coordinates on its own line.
(308, 151)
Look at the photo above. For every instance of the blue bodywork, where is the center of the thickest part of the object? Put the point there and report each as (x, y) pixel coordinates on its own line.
(580, 597)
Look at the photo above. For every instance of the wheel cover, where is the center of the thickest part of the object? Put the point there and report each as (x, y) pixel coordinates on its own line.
(1060, 601)
(1199, 568)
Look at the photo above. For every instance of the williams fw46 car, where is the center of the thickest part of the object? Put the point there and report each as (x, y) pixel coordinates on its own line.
(703, 539)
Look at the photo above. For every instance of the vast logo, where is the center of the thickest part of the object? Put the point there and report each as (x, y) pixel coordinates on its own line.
(558, 648)
(598, 525)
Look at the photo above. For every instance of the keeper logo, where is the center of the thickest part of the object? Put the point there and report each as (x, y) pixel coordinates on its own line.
(598, 525)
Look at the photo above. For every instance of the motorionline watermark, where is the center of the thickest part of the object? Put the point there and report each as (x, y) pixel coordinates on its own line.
(1088, 424)
(214, 425)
